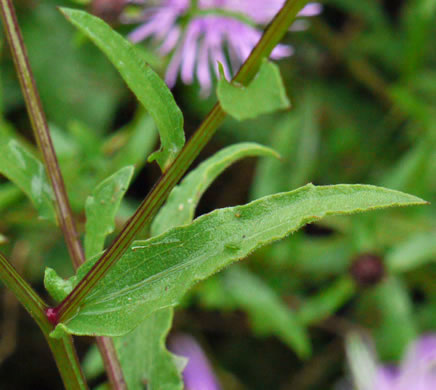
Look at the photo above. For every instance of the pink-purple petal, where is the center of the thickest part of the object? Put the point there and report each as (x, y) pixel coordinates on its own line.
(198, 374)
(209, 39)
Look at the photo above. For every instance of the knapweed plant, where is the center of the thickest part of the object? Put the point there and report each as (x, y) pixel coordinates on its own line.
(124, 293)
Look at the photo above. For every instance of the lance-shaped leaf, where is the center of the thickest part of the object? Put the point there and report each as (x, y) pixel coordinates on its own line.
(148, 87)
(101, 208)
(147, 342)
(268, 313)
(323, 305)
(296, 137)
(265, 94)
(180, 206)
(416, 251)
(137, 142)
(155, 273)
(28, 173)
(389, 309)
(143, 356)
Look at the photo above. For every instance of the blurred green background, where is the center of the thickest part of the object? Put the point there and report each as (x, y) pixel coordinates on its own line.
(363, 87)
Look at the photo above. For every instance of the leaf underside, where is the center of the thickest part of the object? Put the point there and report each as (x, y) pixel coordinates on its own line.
(155, 273)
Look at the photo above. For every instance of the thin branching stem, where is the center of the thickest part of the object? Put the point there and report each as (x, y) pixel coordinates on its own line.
(62, 349)
(41, 130)
(62, 204)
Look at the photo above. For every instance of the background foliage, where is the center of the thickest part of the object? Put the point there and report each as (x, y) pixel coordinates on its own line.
(363, 88)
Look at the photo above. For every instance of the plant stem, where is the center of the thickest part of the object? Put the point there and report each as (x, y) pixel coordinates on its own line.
(112, 366)
(62, 349)
(151, 204)
(41, 130)
(62, 204)
(24, 293)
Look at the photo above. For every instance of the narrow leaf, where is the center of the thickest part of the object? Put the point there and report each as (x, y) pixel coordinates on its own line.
(362, 362)
(28, 173)
(268, 313)
(155, 273)
(178, 210)
(144, 357)
(101, 208)
(414, 252)
(320, 307)
(387, 307)
(148, 87)
(180, 206)
(296, 137)
(138, 141)
(265, 94)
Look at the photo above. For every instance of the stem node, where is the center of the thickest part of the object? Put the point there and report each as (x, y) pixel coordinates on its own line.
(52, 315)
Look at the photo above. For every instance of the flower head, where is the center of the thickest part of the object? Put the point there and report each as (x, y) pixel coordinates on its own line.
(200, 36)
(198, 373)
(417, 370)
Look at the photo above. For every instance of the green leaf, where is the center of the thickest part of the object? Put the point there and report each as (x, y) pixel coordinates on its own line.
(57, 287)
(268, 313)
(297, 139)
(148, 87)
(143, 356)
(265, 94)
(410, 171)
(9, 194)
(101, 208)
(155, 273)
(179, 210)
(28, 173)
(412, 253)
(92, 363)
(389, 312)
(137, 140)
(362, 362)
(180, 206)
(320, 307)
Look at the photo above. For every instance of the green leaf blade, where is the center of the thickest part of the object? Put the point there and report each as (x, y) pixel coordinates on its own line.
(415, 252)
(148, 87)
(101, 208)
(268, 313)
(155, 273)
(180, 206)
(265, 94)
(152, 363)
(28, 173)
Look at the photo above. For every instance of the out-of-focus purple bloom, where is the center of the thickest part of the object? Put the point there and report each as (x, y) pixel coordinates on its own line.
(417, 370)
(198, 374)
(206, 37)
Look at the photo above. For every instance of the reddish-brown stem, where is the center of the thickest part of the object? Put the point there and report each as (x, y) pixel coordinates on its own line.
(62, 204)
(41, 130)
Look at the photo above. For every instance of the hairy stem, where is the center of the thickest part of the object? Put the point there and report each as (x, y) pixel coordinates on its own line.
(62, 349)
(42, 135)
(151, 204)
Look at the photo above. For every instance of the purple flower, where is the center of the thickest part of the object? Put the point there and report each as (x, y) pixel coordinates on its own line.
(198, 374)
(417, 370)
(204, 38)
